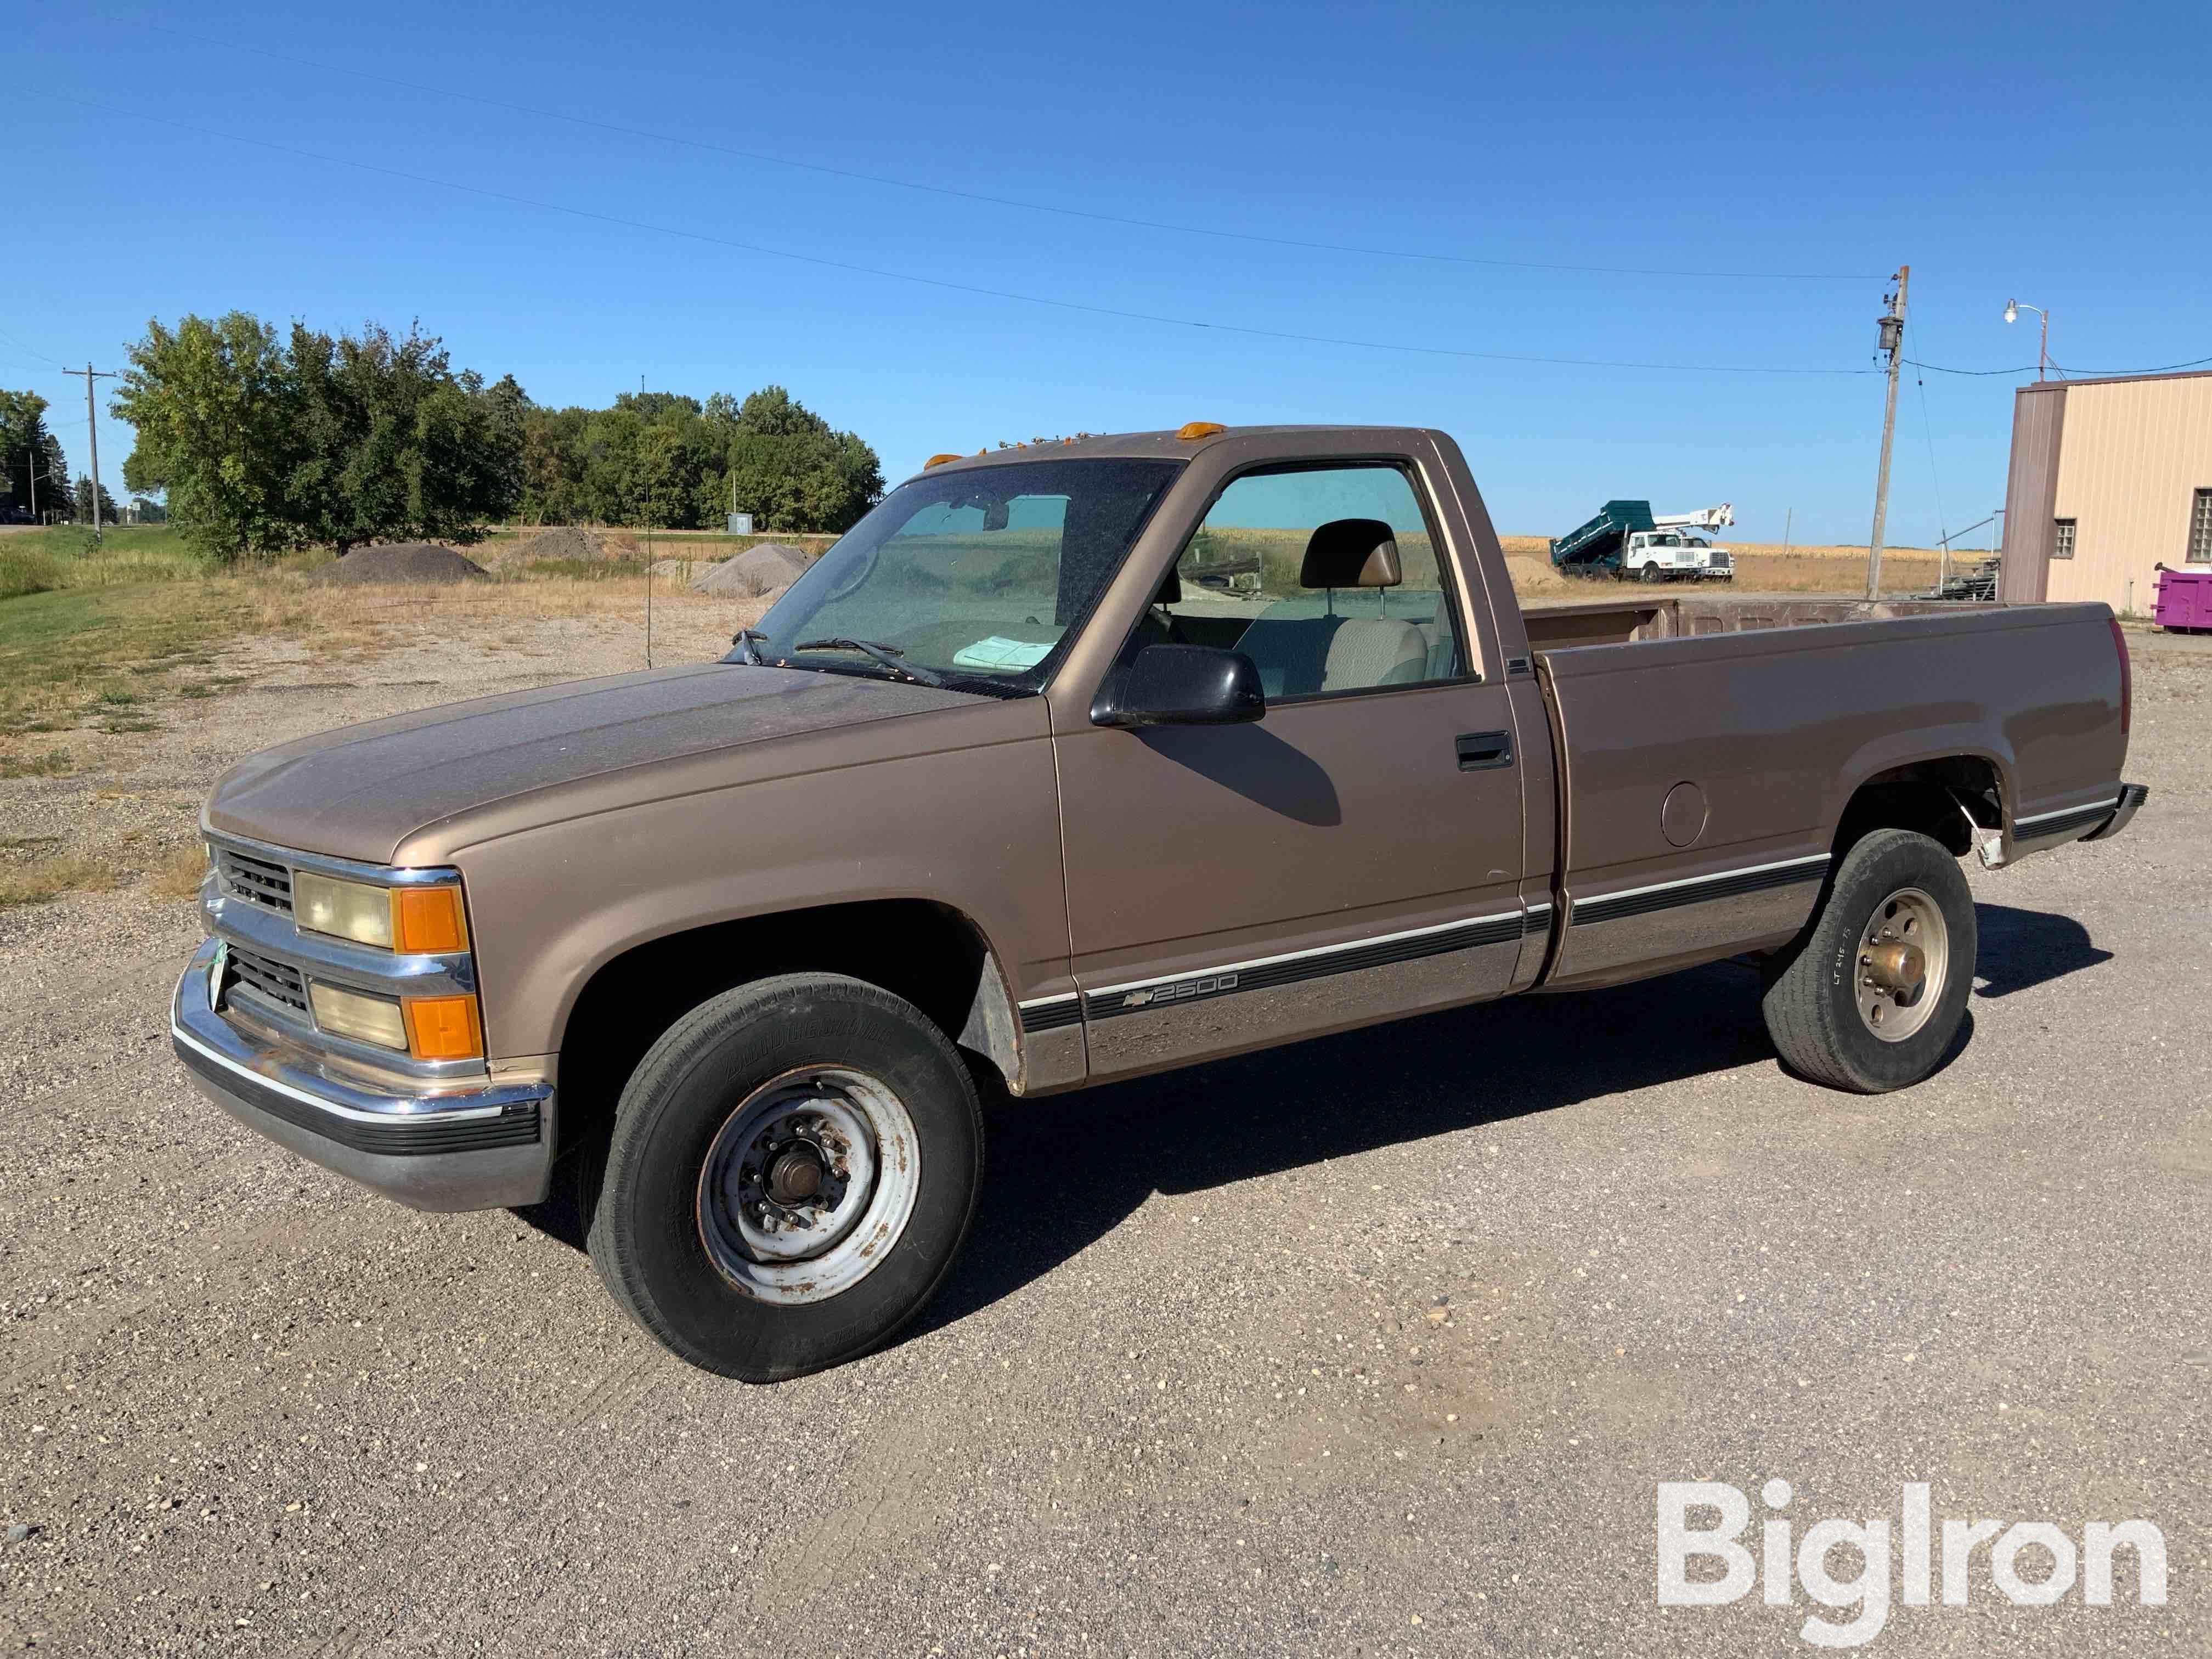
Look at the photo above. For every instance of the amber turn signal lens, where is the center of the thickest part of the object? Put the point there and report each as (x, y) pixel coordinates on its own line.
(427, 920)
(444, 1028)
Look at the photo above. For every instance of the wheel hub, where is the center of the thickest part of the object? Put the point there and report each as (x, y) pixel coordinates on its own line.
(795, 1176)
(1897, 966)
(1904, 958)
(807, 1184)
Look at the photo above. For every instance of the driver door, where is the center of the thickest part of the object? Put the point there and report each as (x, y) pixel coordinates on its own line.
(1353, 855)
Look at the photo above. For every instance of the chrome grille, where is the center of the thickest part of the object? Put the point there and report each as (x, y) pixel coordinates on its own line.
(278, 982)
(256, 880)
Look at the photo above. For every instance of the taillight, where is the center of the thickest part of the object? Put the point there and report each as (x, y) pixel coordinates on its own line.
(2127, 677)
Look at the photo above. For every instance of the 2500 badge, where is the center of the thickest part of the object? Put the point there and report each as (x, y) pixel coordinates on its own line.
(1181, 991)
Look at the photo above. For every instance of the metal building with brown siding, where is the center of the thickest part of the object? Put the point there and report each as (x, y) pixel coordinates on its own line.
(2109, 480)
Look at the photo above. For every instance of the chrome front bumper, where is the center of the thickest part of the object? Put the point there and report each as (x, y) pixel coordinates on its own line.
(478, 1148)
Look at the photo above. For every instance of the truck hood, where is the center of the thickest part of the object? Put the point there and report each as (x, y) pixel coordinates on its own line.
(361, 791)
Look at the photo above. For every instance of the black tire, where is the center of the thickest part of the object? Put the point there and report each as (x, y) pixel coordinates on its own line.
(1651, 573)
(646, 1231)
(1812, 1000)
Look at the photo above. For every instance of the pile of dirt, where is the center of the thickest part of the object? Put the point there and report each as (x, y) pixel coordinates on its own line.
(401, 562)
(1536, 576)
(758, 572)
(560, 541)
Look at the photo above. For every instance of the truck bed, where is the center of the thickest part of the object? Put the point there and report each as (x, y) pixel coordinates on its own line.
(1621, 622)
(1710, 744)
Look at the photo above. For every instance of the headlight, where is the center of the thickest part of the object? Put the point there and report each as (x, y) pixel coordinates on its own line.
(421, 921)
(366, 1018)
(428, 1028)
(349, 909)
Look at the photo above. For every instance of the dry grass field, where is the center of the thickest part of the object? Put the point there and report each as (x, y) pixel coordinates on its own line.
(1767, 568)
(115, 660)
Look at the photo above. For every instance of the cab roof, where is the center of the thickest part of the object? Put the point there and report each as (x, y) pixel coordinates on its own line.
(1135, 446)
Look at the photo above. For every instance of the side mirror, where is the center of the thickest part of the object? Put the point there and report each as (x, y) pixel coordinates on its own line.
(1182, 685)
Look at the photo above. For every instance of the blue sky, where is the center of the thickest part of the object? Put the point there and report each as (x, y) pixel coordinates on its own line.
(2045, 152)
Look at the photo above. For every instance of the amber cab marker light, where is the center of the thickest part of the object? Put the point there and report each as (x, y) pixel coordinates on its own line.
(1192, 429)
(939, 460)
(444, 1028)
(427, 921)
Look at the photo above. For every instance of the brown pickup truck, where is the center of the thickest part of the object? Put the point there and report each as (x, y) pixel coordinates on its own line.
(1074, 761)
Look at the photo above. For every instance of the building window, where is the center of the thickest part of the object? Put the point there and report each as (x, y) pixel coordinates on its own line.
(2200, 529)
(2062, 538)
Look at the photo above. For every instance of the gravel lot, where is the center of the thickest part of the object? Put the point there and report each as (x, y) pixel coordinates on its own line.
(1379, 1345)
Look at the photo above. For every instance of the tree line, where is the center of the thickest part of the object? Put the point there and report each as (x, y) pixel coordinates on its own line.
(35, 469)
(265, 441)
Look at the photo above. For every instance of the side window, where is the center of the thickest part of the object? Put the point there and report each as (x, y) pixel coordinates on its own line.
(1326, 577)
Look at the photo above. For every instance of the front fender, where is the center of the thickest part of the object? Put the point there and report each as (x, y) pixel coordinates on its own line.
(975, 831)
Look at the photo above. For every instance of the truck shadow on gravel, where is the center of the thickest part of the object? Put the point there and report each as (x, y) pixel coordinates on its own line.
(2024, 948)
(1065, 1171)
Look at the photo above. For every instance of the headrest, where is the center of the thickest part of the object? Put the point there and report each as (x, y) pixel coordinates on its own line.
(1352, 553)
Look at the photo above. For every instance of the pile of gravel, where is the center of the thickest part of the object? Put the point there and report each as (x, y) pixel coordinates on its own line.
(561, 541)
(758, 572)
(401, 562)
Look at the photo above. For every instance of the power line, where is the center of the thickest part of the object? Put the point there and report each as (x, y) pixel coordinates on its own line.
(41, 356)
(820, 261)
(999, 201)
(2167, 368)
(1935, 479)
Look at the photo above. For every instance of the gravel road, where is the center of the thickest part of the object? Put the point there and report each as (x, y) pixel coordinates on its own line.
(1379, 1345)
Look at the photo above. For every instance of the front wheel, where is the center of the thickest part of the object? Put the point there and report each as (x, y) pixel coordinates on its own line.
(1870, 996)
(792, 1168)
(1651, 573)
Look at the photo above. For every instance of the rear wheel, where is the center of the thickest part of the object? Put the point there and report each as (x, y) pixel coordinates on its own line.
(791, 1169)
(1870, 997)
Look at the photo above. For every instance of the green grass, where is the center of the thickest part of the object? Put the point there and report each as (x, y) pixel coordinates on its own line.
(138, 553)
(71, 654)
(26, 569)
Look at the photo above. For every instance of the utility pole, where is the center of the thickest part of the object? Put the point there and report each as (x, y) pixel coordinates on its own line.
(92, 428)
(1892, 340)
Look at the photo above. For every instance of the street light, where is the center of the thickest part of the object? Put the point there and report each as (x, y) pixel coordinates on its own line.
(2013, 308)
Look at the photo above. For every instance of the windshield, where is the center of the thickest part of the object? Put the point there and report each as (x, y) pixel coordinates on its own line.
(975, 577)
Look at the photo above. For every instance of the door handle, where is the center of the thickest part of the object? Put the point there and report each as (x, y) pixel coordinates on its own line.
(1483, 751)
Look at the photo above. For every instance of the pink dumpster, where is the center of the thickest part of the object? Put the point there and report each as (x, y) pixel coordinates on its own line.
(2184, 599)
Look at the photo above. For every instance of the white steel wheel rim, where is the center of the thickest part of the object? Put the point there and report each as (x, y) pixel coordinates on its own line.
(1893, 1001)
(777, 1243)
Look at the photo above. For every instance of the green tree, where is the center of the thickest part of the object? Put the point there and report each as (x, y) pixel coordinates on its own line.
(81, 499)
(667, 461)
(28, 447)
(213, 404)
(264, 446)
(793, 471)
(394, 443)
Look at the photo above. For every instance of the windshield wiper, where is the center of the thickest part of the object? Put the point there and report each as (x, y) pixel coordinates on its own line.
(889, 655)
(747, 652)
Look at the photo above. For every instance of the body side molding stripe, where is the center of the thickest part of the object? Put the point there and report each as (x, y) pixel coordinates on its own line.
(1696, 889)
(1264, 973)
(1051, 1013)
